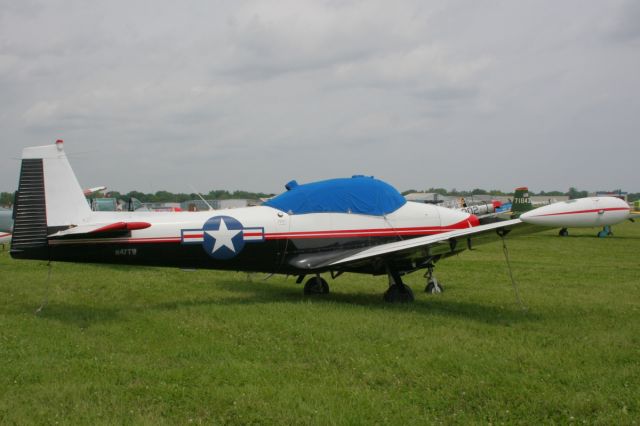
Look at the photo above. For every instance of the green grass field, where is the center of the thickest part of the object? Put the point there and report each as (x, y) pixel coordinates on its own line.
(148, 345)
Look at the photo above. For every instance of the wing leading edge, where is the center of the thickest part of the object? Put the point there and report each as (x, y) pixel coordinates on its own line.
(416, 252)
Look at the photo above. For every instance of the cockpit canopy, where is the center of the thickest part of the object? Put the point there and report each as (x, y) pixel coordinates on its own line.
(358, 194)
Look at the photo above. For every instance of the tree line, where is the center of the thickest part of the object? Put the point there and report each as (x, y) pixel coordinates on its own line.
(571, 193)
(6, 198)
(170, 197)
(478, 191)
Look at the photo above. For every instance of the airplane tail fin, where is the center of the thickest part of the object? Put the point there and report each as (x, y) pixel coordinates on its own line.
(49, 198)
(521, 202)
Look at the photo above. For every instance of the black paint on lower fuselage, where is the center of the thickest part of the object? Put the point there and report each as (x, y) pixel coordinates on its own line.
(271, 256)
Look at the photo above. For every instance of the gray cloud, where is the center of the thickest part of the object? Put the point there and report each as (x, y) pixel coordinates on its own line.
(625, 25)
(249, 94)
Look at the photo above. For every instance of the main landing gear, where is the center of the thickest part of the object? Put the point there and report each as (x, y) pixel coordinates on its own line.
(433, 286)
(316, 285)
(398, 292)
(606, 232)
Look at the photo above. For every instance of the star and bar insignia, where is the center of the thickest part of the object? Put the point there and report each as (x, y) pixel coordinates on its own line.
(222, 237)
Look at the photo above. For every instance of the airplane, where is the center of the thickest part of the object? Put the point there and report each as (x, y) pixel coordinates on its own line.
(6, 220)
(91, 191)
(522, 205)
(359, 225)
(485, 208)
(6, 226)
(480, 209)
(6, 223)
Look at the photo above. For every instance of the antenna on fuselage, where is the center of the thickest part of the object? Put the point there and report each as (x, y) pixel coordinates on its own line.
(201, 197)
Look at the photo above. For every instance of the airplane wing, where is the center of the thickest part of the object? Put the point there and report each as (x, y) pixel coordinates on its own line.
(416, 251)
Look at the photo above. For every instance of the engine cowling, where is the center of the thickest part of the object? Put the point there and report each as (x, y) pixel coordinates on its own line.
(580, 213)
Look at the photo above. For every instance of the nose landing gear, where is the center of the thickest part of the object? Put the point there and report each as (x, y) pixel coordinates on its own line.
(433, 285)
(606, 232)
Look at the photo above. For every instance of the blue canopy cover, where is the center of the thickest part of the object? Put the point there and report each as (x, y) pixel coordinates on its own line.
(359, 194)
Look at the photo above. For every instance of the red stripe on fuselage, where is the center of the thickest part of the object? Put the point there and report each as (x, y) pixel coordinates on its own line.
(585, 211)
(187, 236)
(116, 241)
(348, 233)
(379, 232)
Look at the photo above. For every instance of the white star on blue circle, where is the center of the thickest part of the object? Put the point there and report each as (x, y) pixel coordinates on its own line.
(223, 237)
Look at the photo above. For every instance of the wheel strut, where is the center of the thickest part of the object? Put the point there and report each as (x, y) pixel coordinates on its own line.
(433, 285)
(398, 292)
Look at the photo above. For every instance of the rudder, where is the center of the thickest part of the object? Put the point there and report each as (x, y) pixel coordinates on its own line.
(521, 202)
(49, 198)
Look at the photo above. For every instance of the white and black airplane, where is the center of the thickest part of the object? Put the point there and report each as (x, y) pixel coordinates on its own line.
(357, 224)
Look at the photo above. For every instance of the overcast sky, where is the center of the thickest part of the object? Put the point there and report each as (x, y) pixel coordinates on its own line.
(184, 95)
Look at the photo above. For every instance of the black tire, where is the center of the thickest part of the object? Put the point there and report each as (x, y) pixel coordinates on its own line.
(564, 232)
(316, 285)
(433, 288)
(399, 293)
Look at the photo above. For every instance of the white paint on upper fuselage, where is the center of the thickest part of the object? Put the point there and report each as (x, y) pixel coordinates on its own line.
(411, 219)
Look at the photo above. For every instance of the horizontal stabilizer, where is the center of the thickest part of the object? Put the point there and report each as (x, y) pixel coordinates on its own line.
(101, 228)
(122, 226)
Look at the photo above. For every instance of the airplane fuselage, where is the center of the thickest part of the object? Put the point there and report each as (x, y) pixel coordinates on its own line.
(252, 238)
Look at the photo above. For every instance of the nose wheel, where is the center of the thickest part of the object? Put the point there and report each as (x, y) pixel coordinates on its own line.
(433, 285)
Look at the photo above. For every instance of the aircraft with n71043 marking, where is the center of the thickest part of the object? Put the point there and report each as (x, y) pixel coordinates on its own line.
(358, 224)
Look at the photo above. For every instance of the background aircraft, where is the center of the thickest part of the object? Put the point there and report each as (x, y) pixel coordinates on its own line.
(593, 215)
(6, 226)
(482, 209)
(6, 221)
(357, 224)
